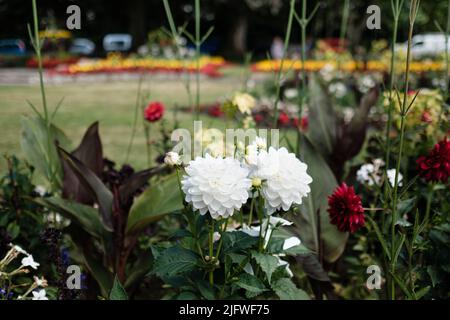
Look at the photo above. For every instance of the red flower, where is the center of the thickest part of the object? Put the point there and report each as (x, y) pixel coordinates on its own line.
(345, 209)
(215, 111)
(154, 111)
(301, 125)
(283, 119)
(258, 118)
(436, 165)
(426, 117)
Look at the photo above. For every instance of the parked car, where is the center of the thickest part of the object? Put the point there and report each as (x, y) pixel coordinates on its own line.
(82, 46)
(12, 47)
(117, 42)
(425, 45)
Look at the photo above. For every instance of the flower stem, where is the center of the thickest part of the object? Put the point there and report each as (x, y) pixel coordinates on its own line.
(250, 217)
(136, 112)
(197, 58)
(211, 251)
(280, 70)
(412, 15)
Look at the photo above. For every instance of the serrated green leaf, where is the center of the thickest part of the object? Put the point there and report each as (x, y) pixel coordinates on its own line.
(267, 262)
(175, 261)
(237, 240)
(286, 290)
(251, 284)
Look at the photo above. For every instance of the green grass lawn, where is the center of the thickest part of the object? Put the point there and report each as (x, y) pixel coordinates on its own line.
(112, 104)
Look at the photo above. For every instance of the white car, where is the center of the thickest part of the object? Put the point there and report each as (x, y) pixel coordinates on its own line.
(117, 42)
(82, 46)
(425, 45)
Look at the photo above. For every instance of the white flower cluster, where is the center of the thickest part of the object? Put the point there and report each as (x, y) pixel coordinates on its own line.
(222, 185)
(372, 174)
(27, 261)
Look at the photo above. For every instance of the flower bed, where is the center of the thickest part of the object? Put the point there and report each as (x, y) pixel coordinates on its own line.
(208, 66)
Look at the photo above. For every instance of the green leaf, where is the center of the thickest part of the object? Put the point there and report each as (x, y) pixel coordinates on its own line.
(39, 147)
(117, 291)
(103, 277)
(422, 292)
(322, 118)
(251, 284)
(159, 199)
(85, 216)
(380, 237)
(206, 289)
(91, 181)
(13, 230)
(405, 206)
(306, 222)
(286, 290)
(175, 261)
(236, 241)
(267, 262)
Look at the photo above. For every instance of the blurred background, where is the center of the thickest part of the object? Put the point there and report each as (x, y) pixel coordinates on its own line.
(240, 25)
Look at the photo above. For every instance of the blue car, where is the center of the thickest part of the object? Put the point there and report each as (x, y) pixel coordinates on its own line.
(12, 47)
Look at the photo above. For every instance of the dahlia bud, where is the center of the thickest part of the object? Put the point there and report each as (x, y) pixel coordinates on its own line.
(216, 236)
(256, 182)
(172, 159)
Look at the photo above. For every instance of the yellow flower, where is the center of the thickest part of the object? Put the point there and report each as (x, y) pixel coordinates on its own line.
(244, 102)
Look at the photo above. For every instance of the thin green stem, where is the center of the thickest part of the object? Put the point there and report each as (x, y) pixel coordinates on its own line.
(280, 71)
(413, 14)
(211, 251)
(219, 247)
(250, 217)
(37, 44)
(197, 58)
(302, 87)
(136, 112)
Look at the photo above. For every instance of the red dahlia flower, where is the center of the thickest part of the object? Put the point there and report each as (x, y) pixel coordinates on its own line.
(154, 111)
(345, 209)
(435, 166)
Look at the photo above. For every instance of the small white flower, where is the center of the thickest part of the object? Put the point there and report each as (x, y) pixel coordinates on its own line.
(290, 93)
(285, 180)
(216, 236)
(291, 242)
(216, 185)
(40, 190)
(260, 143)
(348, 113)
(251, 154)
(244, 102)
(391, 177)
(172, 159)
(40, 282)
(338, 89)
(18, 249)
(28, 261)
(368, 174)
(39, 295)
(378, 163)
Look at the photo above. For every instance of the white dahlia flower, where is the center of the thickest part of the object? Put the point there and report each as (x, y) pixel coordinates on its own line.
(284, 177)
(216, 185)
